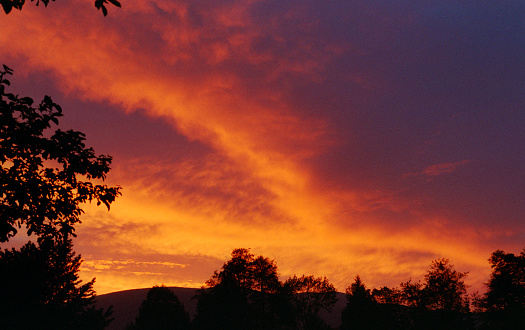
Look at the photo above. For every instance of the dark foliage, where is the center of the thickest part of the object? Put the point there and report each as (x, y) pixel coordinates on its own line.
(241, 296)
(40, 289)
(161, 310)
(386, 295)
(411, 294)
(9, 5)
(439, 302)
(504, 301)
(444, 288)
(363, 312)
(245, 294)
(223, 306)
(309, 295)
(41, 172)
(506, 287)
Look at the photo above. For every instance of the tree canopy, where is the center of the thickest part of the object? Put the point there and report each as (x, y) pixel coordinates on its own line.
(506, 287)
(247, 271)
(44, 176)
(161, 310)
(244, 294)
(444, 287)
(504, 301)
(308, 296)
(440, 301)
(9, 5)
(360, 311)
(41, 289)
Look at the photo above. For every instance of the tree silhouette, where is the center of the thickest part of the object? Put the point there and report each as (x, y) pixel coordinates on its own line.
(248, 272)
(161, 310)
(243, 295)
(504, 300)
(40, 174)
(444, 287)
(386, 295)
(265, 285)
(308, 296)
(378, 309)
(359, 311)
(506, 287)
(440, 301)
(9, 5)
(411, 294)
(237, 271)
(223, 306)
(40, 289)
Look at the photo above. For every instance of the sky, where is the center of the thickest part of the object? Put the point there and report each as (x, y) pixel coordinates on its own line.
(339, 138)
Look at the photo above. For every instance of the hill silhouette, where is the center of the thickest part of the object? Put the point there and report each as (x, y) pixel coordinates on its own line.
(126, 305)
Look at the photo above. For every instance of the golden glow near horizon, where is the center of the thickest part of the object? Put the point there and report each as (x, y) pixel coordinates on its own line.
(285, 140)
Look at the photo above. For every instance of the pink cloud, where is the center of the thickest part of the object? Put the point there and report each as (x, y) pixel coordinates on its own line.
(441, 168)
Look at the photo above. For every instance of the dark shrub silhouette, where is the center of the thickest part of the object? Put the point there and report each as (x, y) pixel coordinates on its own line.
(224, 306)
(309, 295)
(40, 289)
(363, 312)
(161, 310)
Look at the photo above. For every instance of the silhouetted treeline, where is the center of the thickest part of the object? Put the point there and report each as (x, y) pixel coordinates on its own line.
(247, 294)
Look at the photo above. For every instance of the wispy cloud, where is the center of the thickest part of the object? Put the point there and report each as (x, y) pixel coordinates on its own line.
(290, 128)
(441, 168)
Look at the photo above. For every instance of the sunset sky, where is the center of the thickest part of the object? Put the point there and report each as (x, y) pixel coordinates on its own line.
(336, 137)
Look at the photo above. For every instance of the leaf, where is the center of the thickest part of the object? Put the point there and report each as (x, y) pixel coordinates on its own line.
(27, 100)
(7, 8)
(115, 2)
(6, 68)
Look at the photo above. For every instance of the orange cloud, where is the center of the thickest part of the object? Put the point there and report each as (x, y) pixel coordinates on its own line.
(258, 91)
